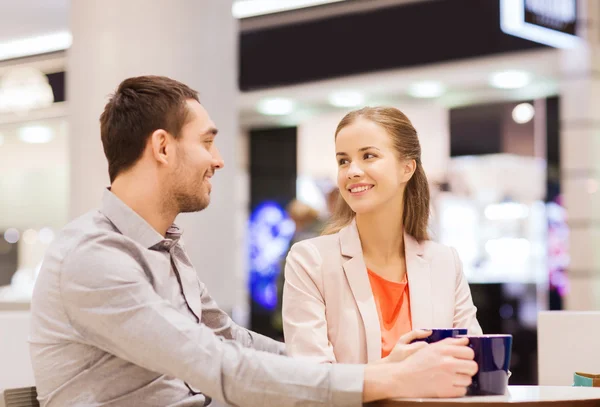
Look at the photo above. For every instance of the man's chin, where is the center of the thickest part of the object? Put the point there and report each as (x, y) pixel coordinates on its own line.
(189, 207)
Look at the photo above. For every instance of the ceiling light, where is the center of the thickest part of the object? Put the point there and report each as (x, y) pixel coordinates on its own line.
(23, 89)
(30, 236)
(46, 235)
(426, 89)
(347, 99)
(11, 235)
(36, 134)
(42, 44)
(510, 79)
(252, 8)
(276, 106)
(523, 113)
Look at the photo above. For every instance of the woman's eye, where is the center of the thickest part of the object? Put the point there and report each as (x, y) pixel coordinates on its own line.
(368, 155)
(342, 161)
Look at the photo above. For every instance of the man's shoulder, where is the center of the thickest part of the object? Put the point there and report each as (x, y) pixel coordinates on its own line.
(83, 239)
(89, 226)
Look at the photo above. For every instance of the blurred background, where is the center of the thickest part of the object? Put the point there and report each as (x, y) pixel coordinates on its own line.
(502, 93)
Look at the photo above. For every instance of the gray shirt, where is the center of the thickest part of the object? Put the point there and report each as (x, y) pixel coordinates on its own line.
(120, 318)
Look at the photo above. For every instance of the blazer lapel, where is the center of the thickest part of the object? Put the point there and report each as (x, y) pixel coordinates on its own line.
(356, 273)
(419, 284)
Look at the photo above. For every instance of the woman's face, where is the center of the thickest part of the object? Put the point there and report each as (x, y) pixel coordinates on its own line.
(370, 174)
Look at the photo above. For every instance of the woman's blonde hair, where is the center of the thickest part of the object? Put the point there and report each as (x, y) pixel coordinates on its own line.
(406, 142)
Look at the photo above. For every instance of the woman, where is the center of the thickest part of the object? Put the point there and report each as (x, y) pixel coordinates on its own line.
(374, 275)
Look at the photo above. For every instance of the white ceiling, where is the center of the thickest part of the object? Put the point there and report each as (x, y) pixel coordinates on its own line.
(30, 18)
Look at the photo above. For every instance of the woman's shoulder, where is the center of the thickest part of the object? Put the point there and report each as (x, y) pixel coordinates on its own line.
(321, 252)
(433, 247)
(322, 245)
(440, 253)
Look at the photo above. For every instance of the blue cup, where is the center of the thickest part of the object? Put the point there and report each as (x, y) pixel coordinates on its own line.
(438, 334)
(492, 354)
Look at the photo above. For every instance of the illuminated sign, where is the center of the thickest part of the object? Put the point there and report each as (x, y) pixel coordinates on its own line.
(270, 231)
(549, 22)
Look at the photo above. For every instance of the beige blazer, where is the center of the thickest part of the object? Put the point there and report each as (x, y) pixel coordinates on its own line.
(329, 313)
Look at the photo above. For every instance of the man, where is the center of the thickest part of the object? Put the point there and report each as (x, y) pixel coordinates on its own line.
(119, 317)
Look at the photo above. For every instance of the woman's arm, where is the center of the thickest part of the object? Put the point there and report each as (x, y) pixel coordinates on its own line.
(465, 312)
(304, 321)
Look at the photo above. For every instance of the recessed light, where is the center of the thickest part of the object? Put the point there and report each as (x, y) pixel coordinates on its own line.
(46, 235)
(276, 106)
(346, 99)
(523, 113)
(30, 236)
(11, 235)
(36, 134)
(510, 79)
(426, 89)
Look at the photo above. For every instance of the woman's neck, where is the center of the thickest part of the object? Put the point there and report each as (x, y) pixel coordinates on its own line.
(382, 234)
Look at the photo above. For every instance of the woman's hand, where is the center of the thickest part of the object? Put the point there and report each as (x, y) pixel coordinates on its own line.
(404, 348)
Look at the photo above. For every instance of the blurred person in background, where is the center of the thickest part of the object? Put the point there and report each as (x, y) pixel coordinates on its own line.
(120, 317)
(333, 199)
(308, 224)
(307, 220)
(351, 295)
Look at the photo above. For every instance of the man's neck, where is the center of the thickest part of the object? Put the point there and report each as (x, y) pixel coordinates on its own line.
(145, 199)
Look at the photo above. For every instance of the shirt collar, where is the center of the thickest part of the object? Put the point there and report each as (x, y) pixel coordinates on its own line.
(132, 225)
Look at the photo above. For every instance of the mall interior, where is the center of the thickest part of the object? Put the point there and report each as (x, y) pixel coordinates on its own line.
(501, 92)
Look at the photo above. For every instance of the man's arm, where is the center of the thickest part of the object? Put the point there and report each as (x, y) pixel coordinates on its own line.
(443, 369)
(222, 325)
(109, 300)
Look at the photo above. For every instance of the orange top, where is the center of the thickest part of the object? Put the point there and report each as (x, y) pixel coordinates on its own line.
(393, 307)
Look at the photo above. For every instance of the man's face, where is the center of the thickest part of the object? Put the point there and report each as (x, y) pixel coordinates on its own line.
(197, 160)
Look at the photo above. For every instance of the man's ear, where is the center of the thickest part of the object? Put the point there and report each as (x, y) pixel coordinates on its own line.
(158, 142)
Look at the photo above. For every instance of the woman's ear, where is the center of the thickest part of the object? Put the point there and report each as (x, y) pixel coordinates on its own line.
(408, 169)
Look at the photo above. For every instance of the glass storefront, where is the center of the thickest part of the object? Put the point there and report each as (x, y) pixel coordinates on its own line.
(34, 183)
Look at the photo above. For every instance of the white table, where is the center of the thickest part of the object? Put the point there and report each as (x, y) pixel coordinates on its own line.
(555, 396)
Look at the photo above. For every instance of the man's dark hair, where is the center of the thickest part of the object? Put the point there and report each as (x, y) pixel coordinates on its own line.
(140, 106)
